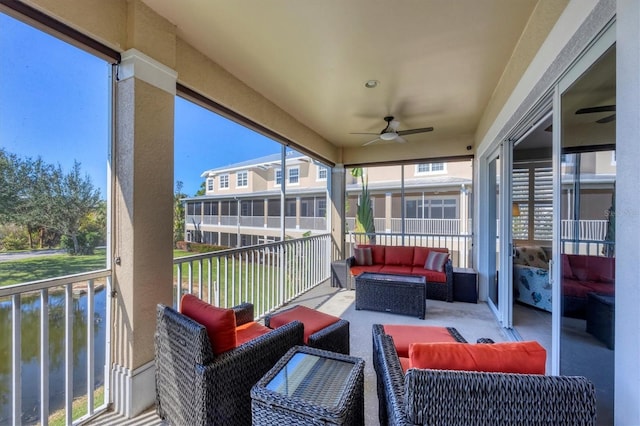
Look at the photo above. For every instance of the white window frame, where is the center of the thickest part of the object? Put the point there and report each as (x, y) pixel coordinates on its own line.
(289, 171)
(223, 181)
(275, 177)
(430, 170)
(211, 184)
(243, 176)
(319, 170)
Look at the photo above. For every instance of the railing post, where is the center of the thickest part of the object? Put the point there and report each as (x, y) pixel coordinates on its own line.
(16, 358)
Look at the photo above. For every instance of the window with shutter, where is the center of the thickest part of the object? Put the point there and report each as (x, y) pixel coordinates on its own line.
(532, 191)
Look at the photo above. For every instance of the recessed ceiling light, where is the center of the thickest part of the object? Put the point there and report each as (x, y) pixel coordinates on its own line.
(370, 84)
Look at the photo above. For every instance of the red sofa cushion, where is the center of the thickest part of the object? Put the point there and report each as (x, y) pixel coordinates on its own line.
(404, 335)
(219, 322)
(574, 288)
(420, 255)
(396, 269)
(511, 357)
(249, 331)
(566, 267)
(398, 256)
(431, 276)
(357, 270)
(592, 268)
(312, 320)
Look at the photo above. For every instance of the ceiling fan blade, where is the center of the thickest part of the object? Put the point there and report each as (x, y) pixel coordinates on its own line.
(370, 142)
(413, 131)
(606, 119)
(400, 139)
(603, 108)
(364, 133)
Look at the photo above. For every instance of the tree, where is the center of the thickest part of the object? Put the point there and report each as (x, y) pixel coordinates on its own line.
(178, 213)
(202, 190)
(364, 214)
(72, 198)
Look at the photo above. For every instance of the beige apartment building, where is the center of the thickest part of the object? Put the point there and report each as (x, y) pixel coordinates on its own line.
(242, 202)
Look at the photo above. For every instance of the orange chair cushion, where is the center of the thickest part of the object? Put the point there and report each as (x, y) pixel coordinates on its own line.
(404, 335)
(249, 331)
(405, 363)
(219, 322)
(312, 320)
(511, 357)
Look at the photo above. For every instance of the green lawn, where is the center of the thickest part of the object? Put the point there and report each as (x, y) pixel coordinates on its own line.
(43, 267)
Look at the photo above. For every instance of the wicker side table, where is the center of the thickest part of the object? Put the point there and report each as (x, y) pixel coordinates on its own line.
(310, 386)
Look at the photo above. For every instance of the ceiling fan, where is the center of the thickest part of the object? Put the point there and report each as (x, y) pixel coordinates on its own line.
(391, 133)
(603, 108)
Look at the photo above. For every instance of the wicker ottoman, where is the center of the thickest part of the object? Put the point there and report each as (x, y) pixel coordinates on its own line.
(310, 386)
(322, 331)
(601, 312)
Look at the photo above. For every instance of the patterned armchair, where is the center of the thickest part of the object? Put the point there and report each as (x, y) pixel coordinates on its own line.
(531, 277)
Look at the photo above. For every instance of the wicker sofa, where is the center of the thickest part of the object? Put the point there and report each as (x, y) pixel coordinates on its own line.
(196, 387)
(447, 397)
(407, 260)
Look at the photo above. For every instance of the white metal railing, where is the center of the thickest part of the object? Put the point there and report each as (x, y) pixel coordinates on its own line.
(71, 301)
(588, 247)
(418, 226)
(310, 223)
(593, 230)
(459, 245)
(267, 275)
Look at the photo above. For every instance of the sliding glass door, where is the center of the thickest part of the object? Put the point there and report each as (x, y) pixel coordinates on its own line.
(585, 236)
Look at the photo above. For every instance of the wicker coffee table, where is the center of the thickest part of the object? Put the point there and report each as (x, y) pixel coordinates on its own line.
(310, 386)
(398, 294)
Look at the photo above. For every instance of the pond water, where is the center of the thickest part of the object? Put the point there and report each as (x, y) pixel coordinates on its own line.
(31, 352)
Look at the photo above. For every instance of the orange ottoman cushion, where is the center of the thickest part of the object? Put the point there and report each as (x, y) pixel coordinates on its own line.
(249, 331)
(511, 357)
(219, 322)
(312, 320)
(405, 335)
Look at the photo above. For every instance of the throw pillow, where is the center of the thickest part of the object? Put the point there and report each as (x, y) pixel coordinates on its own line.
(510, 357)
(436, 261)
(363, 256)
(219, 322)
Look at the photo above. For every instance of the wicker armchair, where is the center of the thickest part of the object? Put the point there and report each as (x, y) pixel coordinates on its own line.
(445, 397)
(196, 387)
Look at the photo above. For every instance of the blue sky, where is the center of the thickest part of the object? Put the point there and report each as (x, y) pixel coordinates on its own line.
(54, 103)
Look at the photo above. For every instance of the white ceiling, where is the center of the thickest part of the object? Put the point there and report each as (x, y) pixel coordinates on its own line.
(437, 61)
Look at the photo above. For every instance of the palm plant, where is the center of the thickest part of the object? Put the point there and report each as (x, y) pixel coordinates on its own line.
(364, 214)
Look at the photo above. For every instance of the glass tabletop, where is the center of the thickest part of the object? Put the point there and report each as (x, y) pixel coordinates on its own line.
(313, 378)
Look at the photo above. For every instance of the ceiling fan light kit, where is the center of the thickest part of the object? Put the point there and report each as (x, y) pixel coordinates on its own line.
(391, 133)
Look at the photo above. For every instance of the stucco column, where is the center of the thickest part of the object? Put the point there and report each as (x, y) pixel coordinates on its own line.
(143, 216)
(627, 319)
(336, 186)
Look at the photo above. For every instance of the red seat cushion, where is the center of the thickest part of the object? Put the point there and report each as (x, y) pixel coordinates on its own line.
(405, 363)
(431, 276)
(396, 269)
(219, 322)
(249, 331)
(312, 320)
(357, 270)
(511, 357)
(405, 335)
